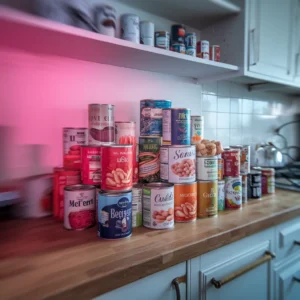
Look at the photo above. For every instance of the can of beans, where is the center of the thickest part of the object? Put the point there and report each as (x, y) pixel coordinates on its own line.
(207, 168)
(149, 167)
(101, 124)
(244, 158)
(244, 188)
(221, 195)
(191, 40)
(162, 40)
(178, 47)
(91, 164)
(114, 215)
(231, 162)
(79, 207)
(116, 168)
(177, 33)
(147, 33)
(220, 167)
(197, 129)
(176, 126)
(137, 208)
(185, 207)
(203, 49)
(268, 181)
(207, 198)
(233, 192)
(215, 53)
(254, 184)
(130, 28)
(73, 139)
(158, 205)
(178, 163)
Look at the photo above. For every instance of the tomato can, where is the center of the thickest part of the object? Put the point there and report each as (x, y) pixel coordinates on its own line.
(114, 215)
(178, 47)
(207, 168)
(158, 205)
(147, 33)
(162, 40)
(101, 124)
(91, 164)
(244, 188)
(220, 167)
(73, 139)
(130, 28)
(268, 181)
(178, 163)
(116, 168)
(244, 158)
(231, 162)
(207, 198)
(177, 33)
(197, 129)
(62, 178)
(79, 206)
(215, 53)
(203, 49)
(233, 192)
(254, 184)
(137, 207)
(221, 195)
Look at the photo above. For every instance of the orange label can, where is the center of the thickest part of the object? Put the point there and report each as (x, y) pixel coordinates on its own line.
(185, 202)
(207, 198)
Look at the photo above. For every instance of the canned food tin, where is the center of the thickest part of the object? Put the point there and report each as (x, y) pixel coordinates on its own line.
(207, 198)
(190, 51)
(114, 215)
(191, 40)
(79, 206)
(254, 184)
(178, 163)
(73, 139)
(106, 19)
(244, 158)
(207, 168)
(185, 197)
(147, 33)
(158, 205)
(244, 188)
(203, 49)
(176, 126)
(197, 129)
(215, 53)
(231, 162)
(137, 208)
(233, 192)
(178, 47)
(268, 181)
(162, 40)
(116, 166)
(151, 116)
(101, 124)
(130, 28)
(91, 164)
(149, 150)
(177, 33)
(221, 195)
(220, 167)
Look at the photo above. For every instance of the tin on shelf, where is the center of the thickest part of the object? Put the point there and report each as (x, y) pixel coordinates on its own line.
(207, 195)
(130, 28)
(233, 192)
(231, 162)
(91, 164)
(197, 129)
(207, 168)
(147, 33)
(137, 205)
(162, 40)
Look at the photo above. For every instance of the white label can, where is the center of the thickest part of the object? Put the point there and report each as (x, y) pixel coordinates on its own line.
(137, 211)
(147, 33)
(178, 163)
(197, 129)
(207, 167)
(130, 28)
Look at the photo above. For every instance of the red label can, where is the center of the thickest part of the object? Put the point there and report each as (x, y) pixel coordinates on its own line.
(215, 53)
(116, 167)
(231, 162)
(91, 165)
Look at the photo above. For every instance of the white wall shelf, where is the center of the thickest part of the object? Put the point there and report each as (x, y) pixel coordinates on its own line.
(37, 35)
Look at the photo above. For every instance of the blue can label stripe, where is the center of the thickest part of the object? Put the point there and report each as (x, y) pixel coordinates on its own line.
(181, 129)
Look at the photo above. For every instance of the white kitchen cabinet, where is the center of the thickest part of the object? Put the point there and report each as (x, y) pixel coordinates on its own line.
(296, 53)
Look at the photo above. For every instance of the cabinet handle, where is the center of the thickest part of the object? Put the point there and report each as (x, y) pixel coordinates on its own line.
(219, 283)
(175, 282)
(253, 48)
(297, 243)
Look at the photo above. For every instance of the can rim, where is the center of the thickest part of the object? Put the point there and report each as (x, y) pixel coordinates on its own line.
(176, 108)
(155, 100)
(79, 187)
(158, 185)
(187, 183)
(77, 128)
(137, 185)
(100, 104)
(111, 194)
(90, 146)
(178, 146)
(118, 146)
(206, 181)
(215, 156)
(125, 122)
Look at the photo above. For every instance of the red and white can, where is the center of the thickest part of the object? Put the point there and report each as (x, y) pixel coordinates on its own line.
(203, 49)
(215, 53)
(91, 164)
(231, 162)
(268, 181)
(116, 167)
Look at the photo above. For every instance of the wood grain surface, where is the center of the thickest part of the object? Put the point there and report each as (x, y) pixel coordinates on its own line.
(41, 260)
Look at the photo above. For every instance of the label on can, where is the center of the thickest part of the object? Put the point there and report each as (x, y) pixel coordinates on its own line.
(268, 181)
(221, 195)
(233, 192)
(197, 127)
(220, 168)
(130, 28)
(162, 40)
(231, 162)
(147, 33)
(244, 158)
(203, 47)
(190, 51)
(178, 47)
(185, 206)
(207, 168)
(137, 211)
(114, 215)
(244, 188)
(73, 138)
(215, 53)
(178, 33)
(207, 198)
(91, 165)
(191, 40)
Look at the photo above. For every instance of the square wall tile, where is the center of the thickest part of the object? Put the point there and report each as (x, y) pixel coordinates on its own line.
(223, 136)
(236, 105)
(247, 121)
(224, 88)
(246, 137)
(209, 102)
(236, 121)
(235, 137)
(223, 120)
(247, 106)
(261, 107)
(223, 104)
(210, 134)
(210, 88)
(210, 120)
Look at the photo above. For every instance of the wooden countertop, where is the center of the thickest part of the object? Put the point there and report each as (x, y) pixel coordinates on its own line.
(39, 259)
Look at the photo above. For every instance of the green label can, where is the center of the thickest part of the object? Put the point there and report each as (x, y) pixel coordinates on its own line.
(137, 208)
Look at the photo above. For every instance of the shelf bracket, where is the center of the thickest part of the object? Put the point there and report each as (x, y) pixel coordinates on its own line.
(263, 87)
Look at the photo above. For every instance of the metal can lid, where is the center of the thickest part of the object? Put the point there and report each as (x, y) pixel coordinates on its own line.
(236, 146)
(206, 181)
(126, 122)
(206, 156)
(187, 183)
(158, 185)
(137, 186)
(79, 187)
(268, 170)
(197, 116)
(77, 128)
(178, 146)
(117, 146)
(233, 177)
(114, 194)
(91, 146)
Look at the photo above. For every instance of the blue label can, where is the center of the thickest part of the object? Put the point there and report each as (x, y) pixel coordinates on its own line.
(191, 40)
(114, 215)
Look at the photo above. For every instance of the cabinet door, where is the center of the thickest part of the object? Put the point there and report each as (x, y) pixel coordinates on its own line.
(297, 43)
(154, 287)
(271, 40)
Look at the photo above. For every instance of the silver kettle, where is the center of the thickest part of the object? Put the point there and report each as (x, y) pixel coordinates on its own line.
(267, 155)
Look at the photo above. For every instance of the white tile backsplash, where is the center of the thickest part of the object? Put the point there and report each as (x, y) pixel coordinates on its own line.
(223, 104)
(209, 102)
(223, 120)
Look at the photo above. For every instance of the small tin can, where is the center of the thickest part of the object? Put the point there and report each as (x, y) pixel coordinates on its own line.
(244, 188)
(207, 198)
(149, 167)
(176, 126)
(147, 33)
(197, 129)
(130, 28)
(177, 33)
(191, 40)
(101, 124)
(185, 206)
(221, 195)
(231, 162)
(91, 164)
(207, 168)
(254, 184)
(114, 215)
(215, 53)
(158, 205)
(178, 163)
(79, 206)
(137, 208)
(203, 49)
(268, 181)
(244, 158)
(190, 51)
(73, 139)
(220, 167)
(233, 192)
(178, 47)
(116, 168)
(106, 19)
(162, 40)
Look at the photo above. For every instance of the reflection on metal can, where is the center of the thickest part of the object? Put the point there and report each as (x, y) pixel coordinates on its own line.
(254, 184)
(137, 208)
(207, 168)
(162, 40)
(91, 164)
(221, 195)
(233, 192)
(130, 28)
(207, 198)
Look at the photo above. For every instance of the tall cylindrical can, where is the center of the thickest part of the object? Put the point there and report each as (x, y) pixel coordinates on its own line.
(177, 33)
(207, 198)
(231, 162)
(206, 168)
(244, 188)
(137, 205)
(254, 184)
(162, 40)
(73, 139)
(190, 51)
(197, 129)
(147, 33)
(190, 40)
(178, 47)
(215, 53)
(101, 124)
(130, 28)
(221, 195)
(91, 164)
(244, 158)
(233, 192)
(203, 49)
(268, 181)
(176, 126)
(105, 19)
(220, 167)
